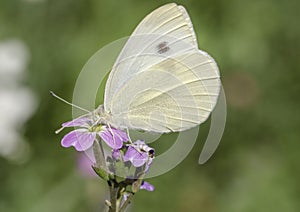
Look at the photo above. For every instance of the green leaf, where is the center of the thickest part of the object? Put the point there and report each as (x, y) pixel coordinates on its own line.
(101, 173)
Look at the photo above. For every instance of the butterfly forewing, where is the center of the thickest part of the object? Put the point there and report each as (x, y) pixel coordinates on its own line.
(165, 25)
(161, 82)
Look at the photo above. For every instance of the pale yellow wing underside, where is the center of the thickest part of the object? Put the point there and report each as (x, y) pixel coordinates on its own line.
(174, 95)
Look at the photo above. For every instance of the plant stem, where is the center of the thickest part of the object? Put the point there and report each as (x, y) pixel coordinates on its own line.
(99, 154)
(100, 163)
(114, 187)
(114, 198)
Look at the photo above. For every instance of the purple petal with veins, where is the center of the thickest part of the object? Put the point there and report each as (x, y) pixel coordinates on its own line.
(114, 138)
(81, 139)
(78, 122)
(120, 134)
(147, 186)
(137, 158)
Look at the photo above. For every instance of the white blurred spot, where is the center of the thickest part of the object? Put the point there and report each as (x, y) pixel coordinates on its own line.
(17, 102)
(14, 56)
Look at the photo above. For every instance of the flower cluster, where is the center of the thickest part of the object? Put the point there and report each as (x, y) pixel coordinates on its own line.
(124, 152)
(83, 137)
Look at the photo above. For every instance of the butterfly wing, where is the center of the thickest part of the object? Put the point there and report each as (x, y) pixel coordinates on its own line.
(174, 95)
(161, 82)
(170, 25)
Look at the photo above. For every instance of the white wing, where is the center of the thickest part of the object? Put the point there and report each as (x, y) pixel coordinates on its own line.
(168, 24)
(161, 82)
(174, 95)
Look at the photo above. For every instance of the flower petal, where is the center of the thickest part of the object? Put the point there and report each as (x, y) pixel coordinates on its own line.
(130, 153)
(80, 139)
(81, 121)
(140, 159)
(123, 135)
(113, 137)
(147, 186)
(135, 157)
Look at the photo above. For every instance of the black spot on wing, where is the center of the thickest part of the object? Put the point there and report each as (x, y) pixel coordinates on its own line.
(162, 47)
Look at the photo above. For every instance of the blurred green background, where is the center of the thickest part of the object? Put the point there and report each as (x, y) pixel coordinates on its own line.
(256, 45)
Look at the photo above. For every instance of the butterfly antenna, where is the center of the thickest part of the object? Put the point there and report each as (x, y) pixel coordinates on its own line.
(65, 101)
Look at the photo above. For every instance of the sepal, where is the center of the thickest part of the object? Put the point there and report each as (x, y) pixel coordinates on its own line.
(101, 173)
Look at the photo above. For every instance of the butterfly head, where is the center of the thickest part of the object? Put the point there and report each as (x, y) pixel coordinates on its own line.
(102, 116)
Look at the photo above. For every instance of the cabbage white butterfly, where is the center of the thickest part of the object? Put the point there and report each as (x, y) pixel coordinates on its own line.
(161, 82)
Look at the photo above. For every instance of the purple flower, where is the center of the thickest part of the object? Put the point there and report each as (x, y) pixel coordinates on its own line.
(138, 153)
(81, 139)
(84, 137)
(147, 186)
(116, 154)
(113, 137)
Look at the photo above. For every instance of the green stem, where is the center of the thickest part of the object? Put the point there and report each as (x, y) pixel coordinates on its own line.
(101, 164)
(116, 192)
(114, 199)
(99, 154)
